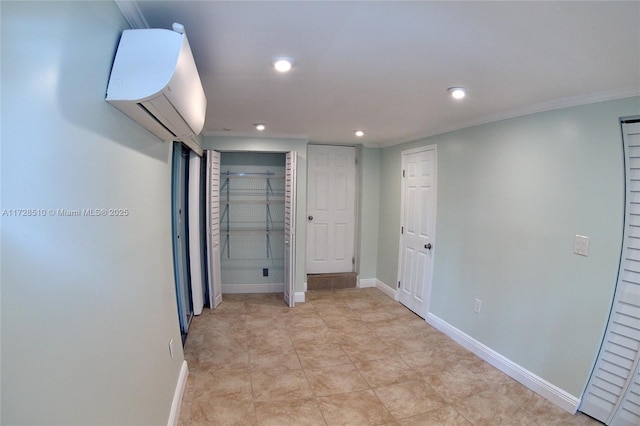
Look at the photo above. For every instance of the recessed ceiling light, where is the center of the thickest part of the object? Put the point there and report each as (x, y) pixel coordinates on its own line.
(283, 64)
(260, 126)
(457, 92)
(359, 133)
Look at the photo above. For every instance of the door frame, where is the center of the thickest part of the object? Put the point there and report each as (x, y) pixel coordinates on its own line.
(213, 243)
(403, 203)
(179, 225)
(196, 232)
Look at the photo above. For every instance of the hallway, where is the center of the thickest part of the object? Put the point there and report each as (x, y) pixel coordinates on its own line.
(345, 357)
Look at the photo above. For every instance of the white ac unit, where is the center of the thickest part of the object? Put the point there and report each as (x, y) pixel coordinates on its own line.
(154, 81)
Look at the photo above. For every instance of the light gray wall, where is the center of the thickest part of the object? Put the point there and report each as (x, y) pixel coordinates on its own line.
(369, 192)
(253, 159)
(512, 195)
(88, 303)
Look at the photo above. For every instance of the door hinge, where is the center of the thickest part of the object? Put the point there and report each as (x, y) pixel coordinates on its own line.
(403, 173)
(398, 284)
(356, 159)
(353, 260)
(402, 229)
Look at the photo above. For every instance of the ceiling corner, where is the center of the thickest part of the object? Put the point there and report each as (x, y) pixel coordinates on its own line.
(132, 14)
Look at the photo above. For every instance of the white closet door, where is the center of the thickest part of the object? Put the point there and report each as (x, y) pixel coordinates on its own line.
(613, 392)
(213, 228)
(331, 201)
(628, 414)
(290, 229)
(195, 245)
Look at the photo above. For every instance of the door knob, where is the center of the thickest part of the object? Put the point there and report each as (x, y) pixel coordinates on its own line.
(310, 217)
(428, 246)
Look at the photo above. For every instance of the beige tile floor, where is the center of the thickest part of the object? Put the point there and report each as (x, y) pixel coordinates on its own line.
(345, 357)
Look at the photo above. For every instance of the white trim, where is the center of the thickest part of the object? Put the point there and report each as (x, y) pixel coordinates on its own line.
(176, 404)
(367, 282)
(132, 14)
(573, 101)
(253, 288)
(252, 135)
(554, 394)
(387, 289)
(260, 288)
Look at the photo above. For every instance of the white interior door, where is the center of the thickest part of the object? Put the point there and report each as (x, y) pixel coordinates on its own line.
(417, 242)
(613, 392)
(213, 228)
(290, 229)
(331, 208)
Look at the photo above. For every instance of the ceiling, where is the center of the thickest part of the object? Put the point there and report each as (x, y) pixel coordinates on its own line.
(384, 67)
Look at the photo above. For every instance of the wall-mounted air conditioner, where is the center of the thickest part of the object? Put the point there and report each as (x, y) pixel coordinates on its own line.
(154, 81)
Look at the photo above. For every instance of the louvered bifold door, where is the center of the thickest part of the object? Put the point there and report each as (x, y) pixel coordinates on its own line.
(213, 229)
(613, 392)
(629, 411)
(290, 229)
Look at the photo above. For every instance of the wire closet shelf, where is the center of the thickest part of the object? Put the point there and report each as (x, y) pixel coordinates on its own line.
(253, 212)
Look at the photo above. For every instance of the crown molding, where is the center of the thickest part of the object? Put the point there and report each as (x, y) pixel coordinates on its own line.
(132, 14)
(254, 135)
(573, 101)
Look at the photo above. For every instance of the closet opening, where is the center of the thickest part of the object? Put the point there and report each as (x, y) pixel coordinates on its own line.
(252, 222)
(180, 235)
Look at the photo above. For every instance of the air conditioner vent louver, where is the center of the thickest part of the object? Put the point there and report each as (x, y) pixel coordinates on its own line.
(153, 117)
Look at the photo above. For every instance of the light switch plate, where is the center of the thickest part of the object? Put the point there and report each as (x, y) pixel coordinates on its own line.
(581, 245)
(171, 349)
(477, 305)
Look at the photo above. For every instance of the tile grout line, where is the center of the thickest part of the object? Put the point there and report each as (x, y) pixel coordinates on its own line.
(359, 307)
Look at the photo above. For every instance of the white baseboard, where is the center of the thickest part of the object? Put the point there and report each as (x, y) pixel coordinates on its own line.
(299, 297)
(537, 384)
(386, 289)
(367, 282)
(253, 288)
(176, 404)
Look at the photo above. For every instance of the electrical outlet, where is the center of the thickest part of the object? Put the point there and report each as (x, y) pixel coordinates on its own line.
(477, 305)
(265, 272)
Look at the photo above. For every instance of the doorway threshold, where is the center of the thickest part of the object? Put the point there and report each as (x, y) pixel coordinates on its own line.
(333, 281)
